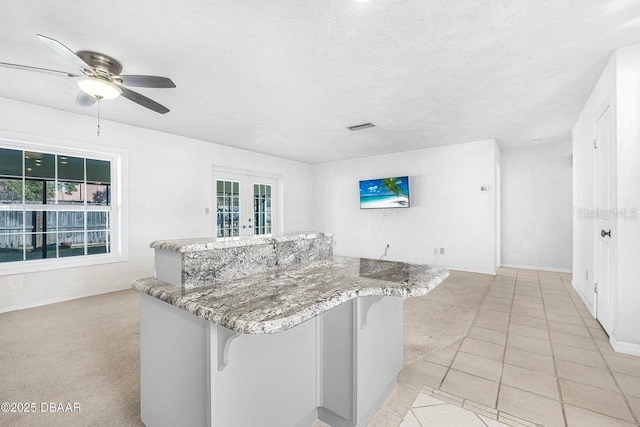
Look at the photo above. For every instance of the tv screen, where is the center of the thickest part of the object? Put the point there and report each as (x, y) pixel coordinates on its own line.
(384, 193)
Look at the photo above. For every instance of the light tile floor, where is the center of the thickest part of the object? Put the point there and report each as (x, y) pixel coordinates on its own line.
(429, 411)
(533, 356)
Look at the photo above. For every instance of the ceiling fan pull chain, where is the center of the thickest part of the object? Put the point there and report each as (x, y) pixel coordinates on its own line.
(99, 115)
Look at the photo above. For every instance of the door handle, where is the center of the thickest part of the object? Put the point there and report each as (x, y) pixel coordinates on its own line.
(605, 233)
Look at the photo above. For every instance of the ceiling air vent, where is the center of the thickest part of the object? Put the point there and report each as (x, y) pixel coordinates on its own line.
(362, 126)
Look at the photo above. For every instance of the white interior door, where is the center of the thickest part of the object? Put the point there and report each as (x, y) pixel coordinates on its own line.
(245, 205)
(605, 207)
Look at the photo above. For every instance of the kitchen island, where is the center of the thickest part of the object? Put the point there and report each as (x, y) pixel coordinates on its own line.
(271, 332)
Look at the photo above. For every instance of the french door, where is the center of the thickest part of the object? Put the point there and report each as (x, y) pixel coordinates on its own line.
(245, 205)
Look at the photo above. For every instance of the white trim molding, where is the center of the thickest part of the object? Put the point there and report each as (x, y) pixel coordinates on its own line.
(624, 347)
(63, 299)
(584, 299)
(534, 267)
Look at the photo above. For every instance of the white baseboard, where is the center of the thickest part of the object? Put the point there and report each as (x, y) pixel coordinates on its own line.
(625, 347)
(492, 273)
(62, 299)
(534, 267)
(584, 299)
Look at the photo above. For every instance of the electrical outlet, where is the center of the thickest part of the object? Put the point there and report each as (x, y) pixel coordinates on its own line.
(586, 274)
(441, 251)
(435, 251)
(206, 211)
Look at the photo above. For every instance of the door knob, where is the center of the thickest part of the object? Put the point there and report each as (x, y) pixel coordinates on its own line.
(605, 233)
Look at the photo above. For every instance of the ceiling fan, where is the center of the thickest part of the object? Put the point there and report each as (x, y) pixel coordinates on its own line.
(100, 77)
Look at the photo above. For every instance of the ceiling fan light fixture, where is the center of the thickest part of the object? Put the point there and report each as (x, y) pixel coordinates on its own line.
(98, 88)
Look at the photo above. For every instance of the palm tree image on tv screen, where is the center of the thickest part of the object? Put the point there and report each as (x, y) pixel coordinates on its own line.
(384, 193)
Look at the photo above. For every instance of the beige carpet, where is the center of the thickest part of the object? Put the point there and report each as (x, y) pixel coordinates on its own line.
(84, 351)
(87, 351)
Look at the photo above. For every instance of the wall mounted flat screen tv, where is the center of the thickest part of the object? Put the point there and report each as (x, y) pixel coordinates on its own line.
(384, 193)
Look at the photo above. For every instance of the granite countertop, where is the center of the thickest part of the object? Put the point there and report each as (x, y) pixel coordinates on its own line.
(273, 302)
(208, 243)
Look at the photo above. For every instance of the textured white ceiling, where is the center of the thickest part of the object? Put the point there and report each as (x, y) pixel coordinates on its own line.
(285, 77)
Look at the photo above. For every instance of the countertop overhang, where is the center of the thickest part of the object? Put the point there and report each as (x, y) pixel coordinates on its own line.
(273, 302)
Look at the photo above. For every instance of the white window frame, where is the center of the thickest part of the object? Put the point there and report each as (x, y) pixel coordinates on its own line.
(119, 235)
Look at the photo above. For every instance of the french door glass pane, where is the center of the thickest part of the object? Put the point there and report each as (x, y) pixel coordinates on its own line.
(262, 209)
(228, 208)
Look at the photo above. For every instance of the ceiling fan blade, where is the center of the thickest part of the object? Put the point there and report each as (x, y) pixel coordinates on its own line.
(29, 68)
(85, 99)
(143, 100)
(64, 51)
(147, 81)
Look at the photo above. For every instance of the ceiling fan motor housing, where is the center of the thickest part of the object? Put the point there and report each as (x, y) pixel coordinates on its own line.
(103, 64)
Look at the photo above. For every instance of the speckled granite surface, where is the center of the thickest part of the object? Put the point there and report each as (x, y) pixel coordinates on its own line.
(206, 261)
(203, 268)
(208, 243)
(272, 302)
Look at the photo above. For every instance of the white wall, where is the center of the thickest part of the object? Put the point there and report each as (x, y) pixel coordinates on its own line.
(536, 207)
(447, 208)
(619, 85)
(627, 327)
(169, 182)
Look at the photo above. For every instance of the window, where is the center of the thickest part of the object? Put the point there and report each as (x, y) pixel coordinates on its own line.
(55, 205)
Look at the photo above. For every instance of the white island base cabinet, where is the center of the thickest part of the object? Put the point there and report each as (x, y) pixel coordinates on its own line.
(339, 367)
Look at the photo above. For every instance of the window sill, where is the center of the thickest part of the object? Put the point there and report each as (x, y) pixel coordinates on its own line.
(22, 267)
